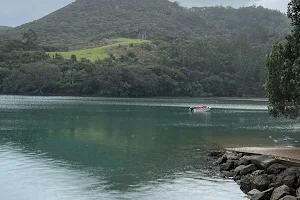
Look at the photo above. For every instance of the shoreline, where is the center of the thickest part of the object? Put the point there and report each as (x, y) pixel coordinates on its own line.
(255, 99)
(291, 154)
(261, 173)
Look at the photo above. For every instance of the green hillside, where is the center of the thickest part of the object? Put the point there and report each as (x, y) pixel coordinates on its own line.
(93, 20)
(175, 51)
(4, 28)
(100, 53)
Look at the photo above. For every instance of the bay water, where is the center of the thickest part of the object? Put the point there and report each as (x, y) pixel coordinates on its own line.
(82, 148)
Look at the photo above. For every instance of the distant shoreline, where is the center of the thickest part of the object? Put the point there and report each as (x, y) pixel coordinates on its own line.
(258, 99)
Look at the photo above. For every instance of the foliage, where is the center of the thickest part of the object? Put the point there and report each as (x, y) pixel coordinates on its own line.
(30, 40)
(141, 49)
(36, 77)
(4, 28)
(283, 83)
(93, 20)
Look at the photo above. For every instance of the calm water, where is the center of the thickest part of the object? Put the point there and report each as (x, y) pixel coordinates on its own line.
(123, 149)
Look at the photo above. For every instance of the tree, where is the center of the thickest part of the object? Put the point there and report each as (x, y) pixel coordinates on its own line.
(30, 40)
(73, 58)
(36, 77)
(283, 63)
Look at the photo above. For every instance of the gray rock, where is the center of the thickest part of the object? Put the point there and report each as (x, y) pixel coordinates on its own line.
(237, 178)
(237, 170)
(253, 192)
(235, 164)
(272, 178)
(276, 168)
(288, 177)
(262, 162)
(280, 192)
(227, 174)
(246, 182)
(298, 192)
(245, 160)
(221, 160)
(267, 163)
(292, 192)
(215, 154)
(289, 180)
(238, 182)
(227, 166)
(265, 195)
(258, 172)
(261, 182)
(233, 155)
(248, 169)
(289, 197)
(297, 184)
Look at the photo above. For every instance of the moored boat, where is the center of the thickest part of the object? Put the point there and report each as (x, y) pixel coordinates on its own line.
(200, 109)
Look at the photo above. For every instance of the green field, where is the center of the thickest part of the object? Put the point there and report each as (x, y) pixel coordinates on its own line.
(99, 53)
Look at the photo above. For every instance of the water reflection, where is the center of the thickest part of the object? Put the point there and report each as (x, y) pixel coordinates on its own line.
(201, 116)
(123, 149)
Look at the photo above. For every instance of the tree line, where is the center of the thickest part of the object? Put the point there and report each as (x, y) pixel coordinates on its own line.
(182, 67)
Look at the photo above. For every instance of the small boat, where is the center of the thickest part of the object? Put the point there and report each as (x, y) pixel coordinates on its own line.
(200, 109)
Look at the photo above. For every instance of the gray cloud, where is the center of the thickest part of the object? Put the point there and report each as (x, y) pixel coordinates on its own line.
(17, 12)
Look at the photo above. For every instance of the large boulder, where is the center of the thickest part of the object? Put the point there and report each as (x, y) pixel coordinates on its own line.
(265, 195)
(233, 155)
(297, 184)
(235, 163)
(280, 192)
(288, 197)
(272, 178)
(261, 182)
(288, 177)
(253, 192)
(289, 180)
(227, 174)
(262, 162)
(229, 165)
(246, 182)
(267, 163)
(248, 169)
(221, 160)
(276, 168)
(245, 160)
(237, 170)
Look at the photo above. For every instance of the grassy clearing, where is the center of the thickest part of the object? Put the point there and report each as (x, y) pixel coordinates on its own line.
(99, 53)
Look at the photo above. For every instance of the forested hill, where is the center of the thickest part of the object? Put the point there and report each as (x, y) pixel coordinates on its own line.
(4, 28)
(138, 48)
(88, 20)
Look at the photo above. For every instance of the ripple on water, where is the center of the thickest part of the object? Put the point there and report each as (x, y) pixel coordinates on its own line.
(38, 177)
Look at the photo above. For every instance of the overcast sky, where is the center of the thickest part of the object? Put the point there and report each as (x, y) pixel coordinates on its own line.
(17, 12)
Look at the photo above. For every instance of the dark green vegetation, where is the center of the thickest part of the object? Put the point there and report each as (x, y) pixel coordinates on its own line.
(4, 28)
(214, 51)
(283, 83)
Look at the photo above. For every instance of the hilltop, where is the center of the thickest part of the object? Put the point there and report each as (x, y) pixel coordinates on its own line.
(4, 28)
(93, 20)
(140, 48)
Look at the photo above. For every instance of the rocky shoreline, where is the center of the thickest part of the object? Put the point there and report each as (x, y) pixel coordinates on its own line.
(260, 177)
